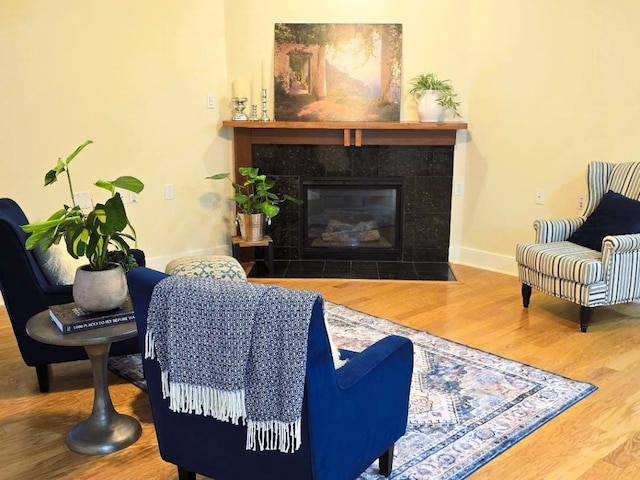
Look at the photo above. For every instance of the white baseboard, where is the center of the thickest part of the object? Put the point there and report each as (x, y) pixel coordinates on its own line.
(491, 261)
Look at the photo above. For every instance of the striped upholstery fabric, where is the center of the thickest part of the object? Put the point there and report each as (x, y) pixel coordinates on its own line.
(562, 260)
(581, 275)
(556, 230)
(593, 295)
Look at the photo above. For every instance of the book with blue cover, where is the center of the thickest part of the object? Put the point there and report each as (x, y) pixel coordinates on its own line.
(70, 318)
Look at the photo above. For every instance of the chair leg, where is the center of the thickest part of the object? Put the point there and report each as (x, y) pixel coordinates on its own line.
(42, 371)
(526, 295)
(385, 462)
(585, 313)
(184, 474)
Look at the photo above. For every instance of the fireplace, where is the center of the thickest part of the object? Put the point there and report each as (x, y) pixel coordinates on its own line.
(418, 156)
(425, 174)
(352, 218)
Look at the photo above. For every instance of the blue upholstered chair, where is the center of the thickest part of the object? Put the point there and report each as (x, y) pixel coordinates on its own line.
(350, 416)
(26, 291)
(593, 259)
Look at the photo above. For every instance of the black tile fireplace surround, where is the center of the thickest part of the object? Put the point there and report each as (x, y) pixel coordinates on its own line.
(426, 173)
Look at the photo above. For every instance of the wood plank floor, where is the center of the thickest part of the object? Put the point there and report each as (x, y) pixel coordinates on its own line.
(598, 438)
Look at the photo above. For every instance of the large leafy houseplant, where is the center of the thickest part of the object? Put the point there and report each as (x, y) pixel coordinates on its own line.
(429, 81)
(87, 234)
(255, 194)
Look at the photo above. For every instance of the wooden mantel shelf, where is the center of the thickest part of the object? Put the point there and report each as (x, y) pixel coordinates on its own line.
(347, 134)
(350, 125)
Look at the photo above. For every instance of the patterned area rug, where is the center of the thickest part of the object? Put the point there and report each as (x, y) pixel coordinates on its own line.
(466, 407)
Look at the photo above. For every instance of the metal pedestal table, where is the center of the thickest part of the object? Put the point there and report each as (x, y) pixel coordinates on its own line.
(105, 430)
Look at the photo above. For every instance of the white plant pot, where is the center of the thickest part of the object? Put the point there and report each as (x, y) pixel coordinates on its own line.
(429, 110)
(99, 291)
(251, 226)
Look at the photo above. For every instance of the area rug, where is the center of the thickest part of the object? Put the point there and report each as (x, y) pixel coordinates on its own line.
(466, 406)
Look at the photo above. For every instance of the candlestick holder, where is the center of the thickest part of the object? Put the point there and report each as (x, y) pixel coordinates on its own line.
(239, 106)
(254, 113)
(265, 115)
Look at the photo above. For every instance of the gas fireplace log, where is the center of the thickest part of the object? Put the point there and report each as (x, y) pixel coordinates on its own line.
(367, 236)
(366, 226)
(335, 236)
(338, 226)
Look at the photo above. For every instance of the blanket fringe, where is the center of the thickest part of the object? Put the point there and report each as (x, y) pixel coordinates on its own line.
(274, 435)
(224, 405)
(149, 345)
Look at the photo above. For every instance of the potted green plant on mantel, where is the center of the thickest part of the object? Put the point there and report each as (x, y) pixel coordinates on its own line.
(434, 97)
(101, 285)
(256, 201)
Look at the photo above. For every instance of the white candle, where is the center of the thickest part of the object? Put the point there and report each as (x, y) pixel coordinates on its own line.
(262, 75)
(251, 91)
(234, 89)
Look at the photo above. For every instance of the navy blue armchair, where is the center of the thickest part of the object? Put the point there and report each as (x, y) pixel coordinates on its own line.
(26, 291)
(350, 416)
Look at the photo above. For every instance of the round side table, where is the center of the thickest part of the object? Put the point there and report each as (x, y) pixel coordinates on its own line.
(105, 430)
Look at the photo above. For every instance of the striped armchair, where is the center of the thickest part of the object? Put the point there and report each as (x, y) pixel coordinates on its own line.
(590, 277)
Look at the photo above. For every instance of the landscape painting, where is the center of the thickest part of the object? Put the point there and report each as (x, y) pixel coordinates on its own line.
(337, 72)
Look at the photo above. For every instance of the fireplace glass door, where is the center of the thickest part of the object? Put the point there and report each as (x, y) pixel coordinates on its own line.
(352, 218)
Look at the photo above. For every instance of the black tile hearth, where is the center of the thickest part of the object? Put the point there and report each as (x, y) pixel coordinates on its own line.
(435, 271)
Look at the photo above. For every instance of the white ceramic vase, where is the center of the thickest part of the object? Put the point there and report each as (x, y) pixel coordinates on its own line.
(99, 291)
(429, 110)
(251, 226)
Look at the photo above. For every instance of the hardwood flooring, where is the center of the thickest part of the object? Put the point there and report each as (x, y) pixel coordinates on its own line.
(596, 439)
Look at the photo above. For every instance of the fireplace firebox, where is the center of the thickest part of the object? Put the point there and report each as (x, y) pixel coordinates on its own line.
(352, 218)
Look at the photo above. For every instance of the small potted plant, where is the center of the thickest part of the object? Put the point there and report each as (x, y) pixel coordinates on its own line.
(256, 201)
(434, 97)
(90, 234)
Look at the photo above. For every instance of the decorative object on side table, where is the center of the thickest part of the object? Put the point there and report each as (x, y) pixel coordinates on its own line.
(101, 285)
(255, 200)
(434, 97)
(71, 318)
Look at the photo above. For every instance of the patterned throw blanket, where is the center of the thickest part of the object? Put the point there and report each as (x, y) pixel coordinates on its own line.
(233, 350)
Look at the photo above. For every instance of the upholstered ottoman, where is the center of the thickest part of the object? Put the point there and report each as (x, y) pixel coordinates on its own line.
(222, 267)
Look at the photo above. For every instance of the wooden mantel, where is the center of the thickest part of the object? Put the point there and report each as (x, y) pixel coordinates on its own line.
(348, 134)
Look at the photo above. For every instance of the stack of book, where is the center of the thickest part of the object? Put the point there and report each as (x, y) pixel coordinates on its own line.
(70, 318)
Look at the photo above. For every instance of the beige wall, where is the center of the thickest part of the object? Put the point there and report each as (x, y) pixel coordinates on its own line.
(133, 76)
(546, 87)
(552, 86)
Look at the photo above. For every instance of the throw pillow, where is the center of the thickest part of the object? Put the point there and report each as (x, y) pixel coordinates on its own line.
(58, 266)
(614, 215)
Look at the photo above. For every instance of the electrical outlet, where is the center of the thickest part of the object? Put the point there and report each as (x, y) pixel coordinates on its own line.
(211, 100)
(582, 201)
(124, 194)
(83, 199)
(458, 188)
(134, 197)
(169, 191)
(539, 196)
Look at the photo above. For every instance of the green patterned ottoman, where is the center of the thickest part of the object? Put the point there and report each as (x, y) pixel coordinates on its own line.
(222, 267)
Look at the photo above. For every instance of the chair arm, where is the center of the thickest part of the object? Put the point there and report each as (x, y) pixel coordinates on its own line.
(360, 364)
(620, 260)
(556, 230)
(621, 243)
(355, 423)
